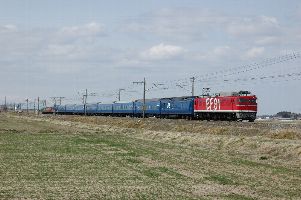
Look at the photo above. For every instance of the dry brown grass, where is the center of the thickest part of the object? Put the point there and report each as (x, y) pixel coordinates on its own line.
(286, 134)
(114, 158)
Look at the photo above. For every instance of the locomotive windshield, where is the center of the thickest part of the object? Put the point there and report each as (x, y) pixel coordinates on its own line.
(245, 100)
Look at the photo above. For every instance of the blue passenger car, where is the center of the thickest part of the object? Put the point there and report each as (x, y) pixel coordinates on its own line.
(123, 109)
(61, 109)
(179, 107)
(70, 108)
(79, 109)
(174, 107)
(104, 109)
(91, 109)
(152, 107)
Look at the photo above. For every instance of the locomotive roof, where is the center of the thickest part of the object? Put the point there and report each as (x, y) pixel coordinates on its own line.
(179, 98)
(239, 93)
(229, 94)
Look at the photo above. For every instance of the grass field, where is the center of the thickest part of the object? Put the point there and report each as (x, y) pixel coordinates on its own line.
(108, 158)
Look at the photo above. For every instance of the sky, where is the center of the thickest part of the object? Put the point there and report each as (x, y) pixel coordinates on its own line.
(52, 48)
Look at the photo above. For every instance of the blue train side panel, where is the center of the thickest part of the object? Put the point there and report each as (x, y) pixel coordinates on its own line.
(152, 107)
(177, 106)
(138, 108)
(165, 107)
(70, 108)
(60, 109)
(79, 109)
(106, 109)
(91, 109)
(123, 108)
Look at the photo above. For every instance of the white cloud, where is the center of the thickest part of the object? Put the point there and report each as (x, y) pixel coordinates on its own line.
(177, 24)
(8, 28)
(269, 20)
(162, 51)
(261, 25)
(86, 30)
(45, 48)
(268, 40)
(60, 50)
(215, 54)
(221, 51)
(254, 52)
(200, 26)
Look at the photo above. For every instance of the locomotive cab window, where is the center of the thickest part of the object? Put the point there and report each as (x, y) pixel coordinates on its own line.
(243, 100)
(253, 101)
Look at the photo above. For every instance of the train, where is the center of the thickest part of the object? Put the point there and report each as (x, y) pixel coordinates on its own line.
(231, 106)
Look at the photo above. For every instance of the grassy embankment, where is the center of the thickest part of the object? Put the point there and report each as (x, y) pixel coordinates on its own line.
(96, 157)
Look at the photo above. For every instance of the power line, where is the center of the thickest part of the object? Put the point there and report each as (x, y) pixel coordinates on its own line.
(251, 67)
(85, 97)
(259, 78)
(184, 83)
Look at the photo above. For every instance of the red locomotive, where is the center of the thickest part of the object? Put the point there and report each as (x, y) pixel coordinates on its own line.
(226, 106)
(48, 110)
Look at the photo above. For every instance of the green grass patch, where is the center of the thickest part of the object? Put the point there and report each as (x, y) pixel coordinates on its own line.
(221, 179)
(151, 173)
(273, 168)
(237, 197)
(133, 160)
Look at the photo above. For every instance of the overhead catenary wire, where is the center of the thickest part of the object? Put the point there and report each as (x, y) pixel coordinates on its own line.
(226, 76)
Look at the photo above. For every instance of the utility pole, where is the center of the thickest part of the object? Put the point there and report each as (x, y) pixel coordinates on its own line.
(85, 101)
(38, 105)
(55, 102)
(85, 97)
(60, 98)
(144, 90)
(192, 85)
(44, 103)
(119, 91)
(5, 108)
(26, 105)
(34, 106)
